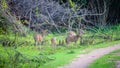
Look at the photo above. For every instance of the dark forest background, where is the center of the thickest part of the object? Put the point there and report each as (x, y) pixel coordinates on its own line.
(60, 15)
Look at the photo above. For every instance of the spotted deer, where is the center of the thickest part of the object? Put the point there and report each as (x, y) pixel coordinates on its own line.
(73, 37)
(38, 38)
(71, 33)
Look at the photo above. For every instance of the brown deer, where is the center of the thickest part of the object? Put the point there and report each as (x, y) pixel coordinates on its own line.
(71, 33)
(53, 42)
(73, 37)
(38, 38)
(43, 32)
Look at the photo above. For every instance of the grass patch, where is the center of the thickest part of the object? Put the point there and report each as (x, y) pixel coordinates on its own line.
(44, 56)
(57, 57)
(107, 61)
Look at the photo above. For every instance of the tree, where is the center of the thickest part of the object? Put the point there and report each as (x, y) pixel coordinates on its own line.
(50, 14)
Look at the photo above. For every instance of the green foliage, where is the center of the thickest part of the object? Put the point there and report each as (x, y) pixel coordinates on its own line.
(71, 52)
(80, 1)
(37, 11)
(71, 3)
(42, 56)
(13, 58)
(84, 1)
(4, 25)
(4, 4)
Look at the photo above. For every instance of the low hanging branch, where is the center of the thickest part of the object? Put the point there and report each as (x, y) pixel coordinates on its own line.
(51, 13)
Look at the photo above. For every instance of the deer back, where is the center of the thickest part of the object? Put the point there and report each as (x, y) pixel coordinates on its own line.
(71, 33)
(38, 37)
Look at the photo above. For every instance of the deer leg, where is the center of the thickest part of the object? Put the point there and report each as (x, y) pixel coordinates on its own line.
(41, 43)
(67, 41)
(75, 42)
(35, 43)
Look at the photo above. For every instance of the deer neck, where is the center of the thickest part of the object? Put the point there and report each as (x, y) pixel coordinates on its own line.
(77, 35)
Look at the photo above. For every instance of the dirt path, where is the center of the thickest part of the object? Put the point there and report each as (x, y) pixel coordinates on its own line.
(84, 60)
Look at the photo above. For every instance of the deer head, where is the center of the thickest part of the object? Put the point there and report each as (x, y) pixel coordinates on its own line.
(43, 32)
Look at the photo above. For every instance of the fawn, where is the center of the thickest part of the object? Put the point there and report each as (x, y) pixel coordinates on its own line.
(53, 42)
(38, 38)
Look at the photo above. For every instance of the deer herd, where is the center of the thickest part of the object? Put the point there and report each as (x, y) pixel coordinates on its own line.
(71, 37)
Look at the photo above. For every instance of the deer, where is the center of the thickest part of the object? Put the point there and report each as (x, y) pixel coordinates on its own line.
(38, 38)
(73, 37)
(53, 42)
(71, 33)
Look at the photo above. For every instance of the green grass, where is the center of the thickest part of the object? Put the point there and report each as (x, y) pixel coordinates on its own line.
(49, 57)
(107, 61)
(63, 58)
(59, 58)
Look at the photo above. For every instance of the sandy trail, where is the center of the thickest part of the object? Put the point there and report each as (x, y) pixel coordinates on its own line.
(84, 60)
